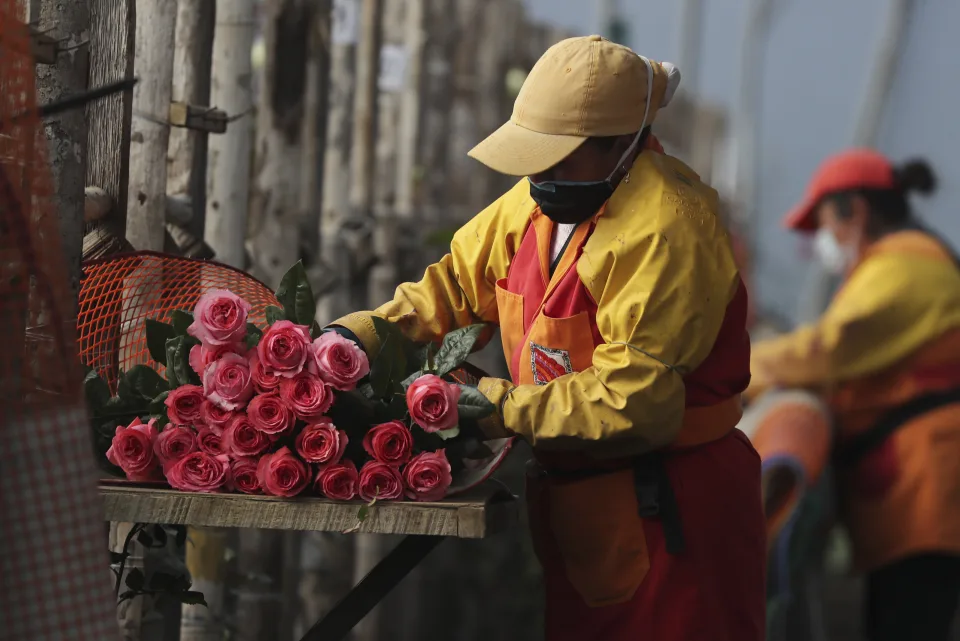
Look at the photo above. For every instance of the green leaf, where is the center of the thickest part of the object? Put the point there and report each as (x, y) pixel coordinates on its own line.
(389, 368)
(363, 512)
(456, 348)
(254, 334)
(157, 335)
(135, 579)
(190, 597)
(96, 391)
(157, 405)
(181, 320)
(408, 381)
(453, 432)
(146, 382)
(118, 557)
(273, 314)
(473, 404)
(425, 357)
(315, 329)
(178, 363)
(162, 420)
(296, 296)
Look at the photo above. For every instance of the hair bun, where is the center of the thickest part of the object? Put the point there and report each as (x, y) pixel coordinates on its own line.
(916, 175)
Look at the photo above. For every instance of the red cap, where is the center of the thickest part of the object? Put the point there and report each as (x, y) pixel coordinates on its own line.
(846, 171)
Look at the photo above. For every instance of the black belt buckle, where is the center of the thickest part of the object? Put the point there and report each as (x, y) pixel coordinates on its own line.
(646, 483)
(655, 498)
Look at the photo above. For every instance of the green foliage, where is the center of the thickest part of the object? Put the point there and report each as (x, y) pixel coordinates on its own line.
(473, 404)
(456, 348)
(180, 321)
(157, 336)
(296, 296)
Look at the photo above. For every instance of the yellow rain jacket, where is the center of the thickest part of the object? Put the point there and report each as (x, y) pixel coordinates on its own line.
(891, 335)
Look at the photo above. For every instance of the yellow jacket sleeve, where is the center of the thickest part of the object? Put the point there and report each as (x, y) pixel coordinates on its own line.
(892, 304)
(660, 267)
(458, 290)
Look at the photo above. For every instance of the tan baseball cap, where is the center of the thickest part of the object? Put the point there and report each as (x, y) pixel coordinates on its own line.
(580, 88)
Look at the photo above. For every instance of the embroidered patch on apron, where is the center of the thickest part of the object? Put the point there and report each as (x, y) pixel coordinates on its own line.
(548, 363)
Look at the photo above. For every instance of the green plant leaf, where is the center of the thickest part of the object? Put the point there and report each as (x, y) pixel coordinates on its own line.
(190, 597)
(446, 435)
(181, 320)
(96, 391)
(389, 368)
(146, 382)
(315, 329)
(135, 579)
(254, 334)
(178, 363)
(273, 314)
(456, 348)
(157, 335)
(473, 404)
(296, 296)
(157, 405)
(408, 381)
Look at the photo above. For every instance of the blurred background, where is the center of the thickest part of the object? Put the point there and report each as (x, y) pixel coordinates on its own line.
(335, 132)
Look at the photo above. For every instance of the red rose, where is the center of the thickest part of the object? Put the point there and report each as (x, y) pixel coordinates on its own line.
(215, 417)
(322, 443)
(306, 395)
(282, 473)
(242, 439)
(433, 403)
(132, 450)
(173, 443)
(380, 481)
(244, 471)
(220, 317)
(203, 355)
(199, 472)
(227, 382)
(427, 476)
(269, 414)
(338, 481)
(183, 405)
(210, 442)
(263, 380)
(284, 347)
(390, 443)
(338, 361)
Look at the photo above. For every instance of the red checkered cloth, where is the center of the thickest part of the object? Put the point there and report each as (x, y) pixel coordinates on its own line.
(54, 578)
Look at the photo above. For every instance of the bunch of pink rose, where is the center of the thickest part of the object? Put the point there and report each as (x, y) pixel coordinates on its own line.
(258, 422)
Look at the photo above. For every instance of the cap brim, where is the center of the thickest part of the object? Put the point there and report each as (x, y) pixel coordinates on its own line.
(517, 151)
(802, 218)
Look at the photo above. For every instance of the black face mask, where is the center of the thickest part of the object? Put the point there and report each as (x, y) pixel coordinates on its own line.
(570, 203)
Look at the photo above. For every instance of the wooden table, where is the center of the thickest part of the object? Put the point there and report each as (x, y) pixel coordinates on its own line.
(477, 514)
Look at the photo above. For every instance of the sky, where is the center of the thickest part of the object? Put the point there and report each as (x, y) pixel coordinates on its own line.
(818, 58)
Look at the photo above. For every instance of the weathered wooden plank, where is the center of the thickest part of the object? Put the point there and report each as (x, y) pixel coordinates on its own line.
(478, 514)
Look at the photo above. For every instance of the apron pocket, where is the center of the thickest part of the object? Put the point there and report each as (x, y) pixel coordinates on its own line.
(510, 312)
(599, 535)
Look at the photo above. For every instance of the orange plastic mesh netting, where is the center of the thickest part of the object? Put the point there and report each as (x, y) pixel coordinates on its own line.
(119, 293)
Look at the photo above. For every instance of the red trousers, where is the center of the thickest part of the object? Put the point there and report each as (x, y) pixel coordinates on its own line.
(607, 573)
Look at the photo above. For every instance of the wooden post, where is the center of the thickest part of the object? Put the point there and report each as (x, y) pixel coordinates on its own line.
(336, 164)
(146, 196)
(206, 561)
(228, 155)
(66, 133)
(275, 201)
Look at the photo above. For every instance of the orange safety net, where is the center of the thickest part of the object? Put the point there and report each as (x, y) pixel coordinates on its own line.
(119, 293)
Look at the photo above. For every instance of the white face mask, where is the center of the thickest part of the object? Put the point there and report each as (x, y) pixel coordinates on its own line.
(835, 257)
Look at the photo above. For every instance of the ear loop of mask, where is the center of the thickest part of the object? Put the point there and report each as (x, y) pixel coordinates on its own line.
(643, 123)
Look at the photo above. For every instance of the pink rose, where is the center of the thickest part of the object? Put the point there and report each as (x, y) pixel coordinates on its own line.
(220, 317)
(338, 361)
(211, 442)
(199, 472)
(241, 438)
(203, 355)
(381, 481)
(338, 481)
(227, 382)
(390, 443)
(428, 476)
(263, 380)
(244, 472)
(284, 347)
(306, 395)
(282, 473)
(173, 443)
(269, 414)
(132, 450)
(433, 403)
(322, 443)
(215, 417)
(183, 405)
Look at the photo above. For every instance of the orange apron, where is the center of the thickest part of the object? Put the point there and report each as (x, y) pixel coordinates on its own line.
(607, 570)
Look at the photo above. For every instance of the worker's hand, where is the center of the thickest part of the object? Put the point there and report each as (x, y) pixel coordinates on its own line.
(496, 390)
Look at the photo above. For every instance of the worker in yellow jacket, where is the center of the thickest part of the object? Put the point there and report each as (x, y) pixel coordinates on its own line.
(622, 317)
(886, 358)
